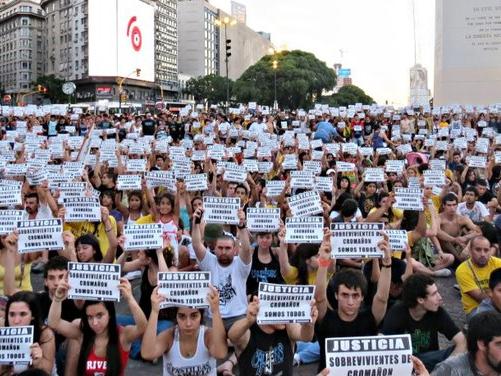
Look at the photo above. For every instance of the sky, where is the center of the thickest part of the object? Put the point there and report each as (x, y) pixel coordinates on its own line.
(376, 37)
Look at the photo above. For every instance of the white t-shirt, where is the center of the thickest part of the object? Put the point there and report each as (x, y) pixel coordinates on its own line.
(43, 212)
(476, 214)
(231, 283)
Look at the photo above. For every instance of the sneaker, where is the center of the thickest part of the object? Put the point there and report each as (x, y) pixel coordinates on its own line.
(38, 267)
(444, 273)
(296, 361)
(133, 275)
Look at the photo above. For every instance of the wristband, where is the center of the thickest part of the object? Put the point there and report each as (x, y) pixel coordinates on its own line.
(324, 263)
(108, 229)
(386, 266)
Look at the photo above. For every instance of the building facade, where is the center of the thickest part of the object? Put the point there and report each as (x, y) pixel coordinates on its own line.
(67, 53)
(202, 45)
(21, 47)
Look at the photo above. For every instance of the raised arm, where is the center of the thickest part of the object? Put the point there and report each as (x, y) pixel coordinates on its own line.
(244, 252)
(217, 343)
(324, 262)
(65, 328)
(111, 233)
(196, 235)
(239, 333)
(132, 332)
(380, 301)
(9, 264)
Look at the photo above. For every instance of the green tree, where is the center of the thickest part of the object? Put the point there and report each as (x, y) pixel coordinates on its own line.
(54, 87)
(210, 88)
(349, 94)
(300, 80)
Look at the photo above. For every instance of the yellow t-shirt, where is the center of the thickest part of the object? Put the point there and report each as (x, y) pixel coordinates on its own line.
(467, 281)
(23, 280)
(82, 228)
(291, 278)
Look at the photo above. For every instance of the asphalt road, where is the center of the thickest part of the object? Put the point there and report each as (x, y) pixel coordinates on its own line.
(451, 298)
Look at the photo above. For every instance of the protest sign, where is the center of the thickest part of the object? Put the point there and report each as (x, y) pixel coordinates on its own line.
(397, 238)
(376, 355)
(195, 182)
(10, 195)
(305, 204)
(434, 178)
(155, 179)
(94, 281)
(356, 240)
(15, 344)
(394, 165)
(250, 165)
(323, 184)
(408, 199)
(9, 219)
(302, 179)
(40, 234)
(290, 162)
(263, 219)
(374, 175)
(274, 188)
(284, 304)
(236, 174)
(136, 165)
(80, 209)
(477, 161)
(222, 210)
(36, 177)
(314, 167)
(140, 237)
(437, 164)
(264, 167)
(345, 166)
(129, 182)
(304, 229)
(67, 190)
(184, 289)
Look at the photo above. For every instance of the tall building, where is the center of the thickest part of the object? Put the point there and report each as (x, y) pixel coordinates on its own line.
(96, 51)
(198, 38)
(239, 12)
(419, 92)
(202, 45)
(21, 47)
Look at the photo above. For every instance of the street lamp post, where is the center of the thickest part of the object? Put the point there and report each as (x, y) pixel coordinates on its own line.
(120, 82)
(275, 66)
(225, 22)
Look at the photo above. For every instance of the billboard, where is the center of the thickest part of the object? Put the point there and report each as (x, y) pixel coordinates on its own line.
(344, 72)
(121, 39)
(467, 52)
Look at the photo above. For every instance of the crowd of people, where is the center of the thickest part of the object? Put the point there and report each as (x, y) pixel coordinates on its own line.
(457, 234)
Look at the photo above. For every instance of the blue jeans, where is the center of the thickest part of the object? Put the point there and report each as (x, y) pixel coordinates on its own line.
(135, 349)
(431, 358)
(309, 352)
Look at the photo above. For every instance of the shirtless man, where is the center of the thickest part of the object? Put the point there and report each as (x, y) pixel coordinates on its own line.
(455, 230)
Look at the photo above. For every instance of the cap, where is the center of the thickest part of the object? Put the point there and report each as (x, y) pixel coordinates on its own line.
(212, 231)
(330, 171)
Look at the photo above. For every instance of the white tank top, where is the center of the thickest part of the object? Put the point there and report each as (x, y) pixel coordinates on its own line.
(200, 364)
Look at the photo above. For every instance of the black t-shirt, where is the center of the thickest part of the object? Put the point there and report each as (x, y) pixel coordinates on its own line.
(149, 127)
(69, 312)
(332, 326)
(269, 273)
(424, 333)
(266, 354)
(486, 197)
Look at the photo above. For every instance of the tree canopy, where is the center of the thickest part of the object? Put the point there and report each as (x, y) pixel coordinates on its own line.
(54, 87)
(349, 94)
(300, 79)
(211, 88)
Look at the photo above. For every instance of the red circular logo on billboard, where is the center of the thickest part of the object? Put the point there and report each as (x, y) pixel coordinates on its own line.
(134, 32)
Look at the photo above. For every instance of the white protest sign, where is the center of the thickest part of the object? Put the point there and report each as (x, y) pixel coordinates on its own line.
(67, 190)
(394, 165)
(235, 174)
(304, 229)
(404, 148)
(274, 188)
(129, 183)
(408, 199)
(434, 178)
(345, 166)
(222, 210)
(264, 167)
(136, 165)
(284, 304)
(144, 236)
(94, 281)
(184, 289)
(290, 162)
(156, 179)
(40, 234)
(9, 219)
(356, 240)
(477, 161)
(10, 195)
(397, 238)
(195, 182)
(374, 175)
(437, 164)
(381, 355)
(15, 344)
(302, 179)
(81, 209)
(350, 148)
(305, 204)
(323, 184)
(497, 157)
(263, 219)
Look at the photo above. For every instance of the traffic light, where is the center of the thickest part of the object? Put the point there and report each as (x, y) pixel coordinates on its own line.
(228, 48)
(42, 89)
(138, 72)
